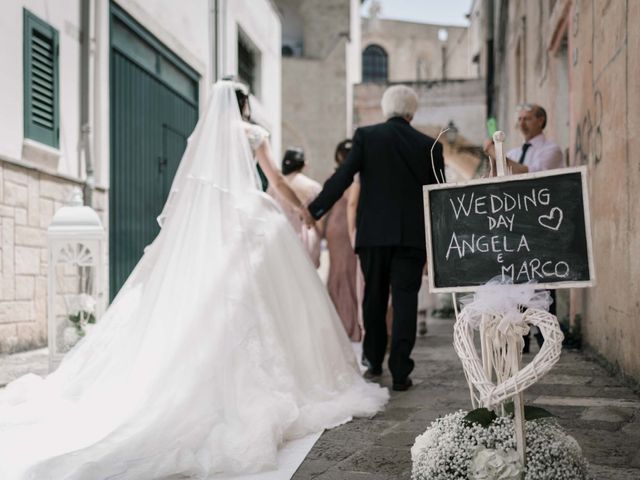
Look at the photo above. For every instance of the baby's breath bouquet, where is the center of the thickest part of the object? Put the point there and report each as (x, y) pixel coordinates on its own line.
(458, 446)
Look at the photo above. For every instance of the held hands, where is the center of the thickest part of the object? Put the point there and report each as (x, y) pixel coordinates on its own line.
(306, 217)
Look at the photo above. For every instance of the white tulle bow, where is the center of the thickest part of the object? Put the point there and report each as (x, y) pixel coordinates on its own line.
(506, 300)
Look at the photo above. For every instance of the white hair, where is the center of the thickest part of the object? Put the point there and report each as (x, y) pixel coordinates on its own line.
(399, 101)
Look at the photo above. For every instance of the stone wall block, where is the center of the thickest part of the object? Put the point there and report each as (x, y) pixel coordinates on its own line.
(7, 247)
(44, 262)
(7, 287)
(34, 201)
(20, 216)
(55, 189)
(31, 237)
(15, 195)
(27, 260)
(46, 212)
(7, 280)
(40, 299)
(16, 174)
(17, 311)
(25, 287)
(7, 211)
(31, 335)
(9, 336)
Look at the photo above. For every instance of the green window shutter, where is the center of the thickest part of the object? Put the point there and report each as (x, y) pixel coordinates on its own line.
(41, 102)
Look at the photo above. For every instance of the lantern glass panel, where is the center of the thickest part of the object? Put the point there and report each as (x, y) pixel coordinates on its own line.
(75, 302)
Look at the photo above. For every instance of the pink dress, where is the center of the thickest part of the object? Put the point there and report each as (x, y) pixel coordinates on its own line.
(343, 268)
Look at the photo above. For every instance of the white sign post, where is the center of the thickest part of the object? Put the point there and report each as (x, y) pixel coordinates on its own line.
(508, 239)
(518, 399)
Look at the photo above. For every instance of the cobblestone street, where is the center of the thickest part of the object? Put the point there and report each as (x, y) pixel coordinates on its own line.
(596, 408)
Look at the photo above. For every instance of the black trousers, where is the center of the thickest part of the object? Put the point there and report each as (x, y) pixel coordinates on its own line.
(401, 269)
(539, 337)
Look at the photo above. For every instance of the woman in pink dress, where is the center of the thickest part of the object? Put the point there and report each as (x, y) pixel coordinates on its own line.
(343, 267)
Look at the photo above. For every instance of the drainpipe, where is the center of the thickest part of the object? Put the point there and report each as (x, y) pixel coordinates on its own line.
(490, 78)
(214, 25)
(85, 106)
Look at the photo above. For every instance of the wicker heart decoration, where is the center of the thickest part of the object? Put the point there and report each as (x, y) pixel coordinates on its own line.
(482, 388)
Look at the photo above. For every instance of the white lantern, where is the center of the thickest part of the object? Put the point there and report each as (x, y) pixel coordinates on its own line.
(75, 294)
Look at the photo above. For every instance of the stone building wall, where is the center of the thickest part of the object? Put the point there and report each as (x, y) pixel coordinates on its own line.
(29, 197)
(579, 59)
(315, 108)
(459, 101)
(415, 53)
(315, 83)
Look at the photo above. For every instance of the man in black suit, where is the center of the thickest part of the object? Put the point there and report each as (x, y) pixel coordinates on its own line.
(394, 162)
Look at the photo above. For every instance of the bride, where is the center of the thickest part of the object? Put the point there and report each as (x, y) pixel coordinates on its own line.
(221, 345)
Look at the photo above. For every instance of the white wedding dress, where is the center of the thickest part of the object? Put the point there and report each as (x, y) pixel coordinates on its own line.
(221, 345)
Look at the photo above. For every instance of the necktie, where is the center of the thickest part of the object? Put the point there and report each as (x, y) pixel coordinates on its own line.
(525, 147)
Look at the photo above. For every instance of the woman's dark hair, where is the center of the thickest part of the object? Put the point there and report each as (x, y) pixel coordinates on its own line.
(293, 160)
(242, 93)
(342, 150)
(243, 100)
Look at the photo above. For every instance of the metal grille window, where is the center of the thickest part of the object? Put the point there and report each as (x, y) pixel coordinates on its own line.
(374, 64)
(41, 110)
(246, 64)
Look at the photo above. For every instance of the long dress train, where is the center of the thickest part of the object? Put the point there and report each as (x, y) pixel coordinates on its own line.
(221, 345)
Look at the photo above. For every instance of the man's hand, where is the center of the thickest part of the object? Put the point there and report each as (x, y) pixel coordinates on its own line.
(489, 148)
(306, 218)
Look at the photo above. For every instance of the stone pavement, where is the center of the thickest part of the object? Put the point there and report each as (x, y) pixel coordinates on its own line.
(18, 364)
(594, 407)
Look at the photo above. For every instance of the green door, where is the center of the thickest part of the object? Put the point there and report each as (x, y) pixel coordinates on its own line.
(154, 108)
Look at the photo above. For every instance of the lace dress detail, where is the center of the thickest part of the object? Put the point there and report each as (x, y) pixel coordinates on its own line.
(256, 135)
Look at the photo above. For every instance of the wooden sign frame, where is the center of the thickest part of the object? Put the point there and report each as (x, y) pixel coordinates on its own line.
(582, 170)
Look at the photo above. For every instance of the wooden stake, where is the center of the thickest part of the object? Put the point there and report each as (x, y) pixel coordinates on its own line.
(518, 400)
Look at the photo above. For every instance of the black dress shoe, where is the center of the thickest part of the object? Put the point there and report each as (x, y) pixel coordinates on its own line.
(402, 386)
(372, 373)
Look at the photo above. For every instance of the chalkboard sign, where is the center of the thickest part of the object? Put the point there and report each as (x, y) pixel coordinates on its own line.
(532, 227)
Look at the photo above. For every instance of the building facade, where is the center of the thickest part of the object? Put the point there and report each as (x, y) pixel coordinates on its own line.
(414, 51)
(578, 59)
(103, 96)
(437, 61)
(320, 65)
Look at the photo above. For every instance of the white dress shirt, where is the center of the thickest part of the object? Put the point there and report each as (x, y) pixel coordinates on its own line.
(543, 154)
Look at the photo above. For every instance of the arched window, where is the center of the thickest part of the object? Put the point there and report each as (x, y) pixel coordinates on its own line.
(374, 64)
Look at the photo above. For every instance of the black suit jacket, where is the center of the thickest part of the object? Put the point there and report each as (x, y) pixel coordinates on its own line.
(394, 162)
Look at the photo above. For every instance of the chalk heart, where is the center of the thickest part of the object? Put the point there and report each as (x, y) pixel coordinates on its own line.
(491, 394)
(551, 221)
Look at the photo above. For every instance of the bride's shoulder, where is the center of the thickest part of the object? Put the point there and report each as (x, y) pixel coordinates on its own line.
(255, 133)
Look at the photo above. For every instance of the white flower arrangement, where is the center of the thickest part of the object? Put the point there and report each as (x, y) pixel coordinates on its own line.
(82, 318)
(453, 448)
(495, 464)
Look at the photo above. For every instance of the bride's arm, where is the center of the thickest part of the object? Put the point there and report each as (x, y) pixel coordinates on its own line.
(266, 162)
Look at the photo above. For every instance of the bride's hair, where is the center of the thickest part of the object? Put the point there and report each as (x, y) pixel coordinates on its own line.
(242, 95)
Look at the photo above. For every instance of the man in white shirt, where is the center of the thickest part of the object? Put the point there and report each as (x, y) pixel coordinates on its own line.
(536, 154)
